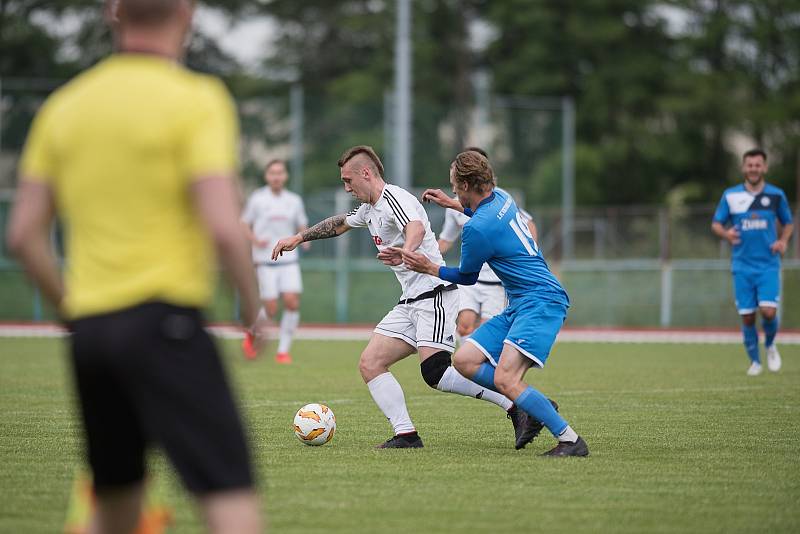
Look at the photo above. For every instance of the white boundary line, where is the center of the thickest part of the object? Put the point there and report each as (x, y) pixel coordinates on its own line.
(362, 333)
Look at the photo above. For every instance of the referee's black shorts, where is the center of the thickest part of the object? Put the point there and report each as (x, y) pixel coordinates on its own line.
(151, 375)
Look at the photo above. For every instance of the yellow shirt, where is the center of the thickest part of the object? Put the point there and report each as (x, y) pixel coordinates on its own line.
(120, 145)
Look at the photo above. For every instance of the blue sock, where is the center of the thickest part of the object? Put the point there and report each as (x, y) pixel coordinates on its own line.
(485, 376)
(538, 406)
(751, 342)
(770, 330)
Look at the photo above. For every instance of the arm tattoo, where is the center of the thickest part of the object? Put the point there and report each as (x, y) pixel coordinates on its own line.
(330, 227)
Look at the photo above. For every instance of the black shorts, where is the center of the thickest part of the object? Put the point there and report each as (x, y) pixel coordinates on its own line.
(151, 375)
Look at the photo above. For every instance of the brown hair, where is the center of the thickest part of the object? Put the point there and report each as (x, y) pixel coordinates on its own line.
(754, 152)
(275, 161)
(473, 169)
(368, 151)
(477, 149)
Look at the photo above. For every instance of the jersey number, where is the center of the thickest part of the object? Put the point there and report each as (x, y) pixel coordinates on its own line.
(520, 228)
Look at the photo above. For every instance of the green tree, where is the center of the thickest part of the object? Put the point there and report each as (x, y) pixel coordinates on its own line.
(612, 58)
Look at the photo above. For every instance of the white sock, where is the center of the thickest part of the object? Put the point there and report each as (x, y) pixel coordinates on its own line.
(453, 382)
(388, 395)
(289, 321)
(568, 435)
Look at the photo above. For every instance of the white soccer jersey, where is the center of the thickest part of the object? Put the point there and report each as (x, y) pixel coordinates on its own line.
(386, 220)
(454, 221)
(273, 217)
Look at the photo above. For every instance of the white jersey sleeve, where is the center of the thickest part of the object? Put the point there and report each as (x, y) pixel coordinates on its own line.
(403, 205)
(357, 217)
(451, 230)
(250, 210)
(301, 219)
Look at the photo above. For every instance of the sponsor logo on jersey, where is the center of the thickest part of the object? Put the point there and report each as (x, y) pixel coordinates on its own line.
(755, 223)
(377, 239)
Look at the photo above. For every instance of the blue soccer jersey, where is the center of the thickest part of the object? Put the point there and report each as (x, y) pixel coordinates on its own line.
(497, 234)
(755, 216)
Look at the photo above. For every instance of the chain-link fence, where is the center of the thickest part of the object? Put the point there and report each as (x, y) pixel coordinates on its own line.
(629, 265)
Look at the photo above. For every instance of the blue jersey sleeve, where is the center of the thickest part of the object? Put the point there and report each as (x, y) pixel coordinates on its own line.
(475, 250)
(784, 212)
(723, 214)
(452, 274)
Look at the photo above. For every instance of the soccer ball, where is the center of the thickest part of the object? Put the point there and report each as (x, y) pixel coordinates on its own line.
(314, 424)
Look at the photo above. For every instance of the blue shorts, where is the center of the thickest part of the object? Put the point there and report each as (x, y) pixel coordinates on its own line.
(754, 289)
(528, 325)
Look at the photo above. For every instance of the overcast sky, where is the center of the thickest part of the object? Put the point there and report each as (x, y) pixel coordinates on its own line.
(246, 40)
(249, 40)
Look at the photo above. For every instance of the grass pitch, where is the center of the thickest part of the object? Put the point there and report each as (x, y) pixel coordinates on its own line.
(680, 440)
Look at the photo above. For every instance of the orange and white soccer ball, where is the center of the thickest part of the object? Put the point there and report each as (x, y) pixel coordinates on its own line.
(314, 424)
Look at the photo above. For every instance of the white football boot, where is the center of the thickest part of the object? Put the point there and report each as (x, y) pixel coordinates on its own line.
(773, 359)
(755, 369)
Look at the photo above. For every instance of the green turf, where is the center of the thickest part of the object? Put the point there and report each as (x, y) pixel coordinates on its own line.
(681, 440)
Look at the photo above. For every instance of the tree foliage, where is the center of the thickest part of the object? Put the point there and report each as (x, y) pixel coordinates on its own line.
(667, 92)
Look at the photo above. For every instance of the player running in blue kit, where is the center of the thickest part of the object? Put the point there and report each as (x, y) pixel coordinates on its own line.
(751, 211)
(522, 335)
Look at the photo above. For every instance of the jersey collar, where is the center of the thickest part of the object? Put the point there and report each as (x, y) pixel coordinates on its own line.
(485, 201)
(383, 191)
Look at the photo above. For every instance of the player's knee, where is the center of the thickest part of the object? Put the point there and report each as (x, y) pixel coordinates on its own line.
(370, 366)
(768, 313)
(271, 307)
(291, 302)
(465, 365)
(504, 381)
(749, 319)
(433, 368)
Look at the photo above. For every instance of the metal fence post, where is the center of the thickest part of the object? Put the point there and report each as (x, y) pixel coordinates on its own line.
(666, 267)
(37, 304)
(666, 295)
(296, 112)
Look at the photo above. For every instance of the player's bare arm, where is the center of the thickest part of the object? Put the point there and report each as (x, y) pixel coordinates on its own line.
(414, 233)
(779, 246)
(251, 236)
(437, 196)
(330, 227)
(29, 237)
(419, 263)
(306, 244)
(731, 235)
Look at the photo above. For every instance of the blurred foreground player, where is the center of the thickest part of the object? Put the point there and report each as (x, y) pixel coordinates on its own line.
(137, 157)
(272, 212)
(521, 337)
(747, 217)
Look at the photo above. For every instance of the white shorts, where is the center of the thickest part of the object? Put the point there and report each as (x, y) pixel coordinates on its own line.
(278, 278)
(487, 300)
(424, 323)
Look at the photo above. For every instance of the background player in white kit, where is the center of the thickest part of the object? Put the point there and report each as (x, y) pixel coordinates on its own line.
(423, 321)
(270, 213)
(480, 302)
